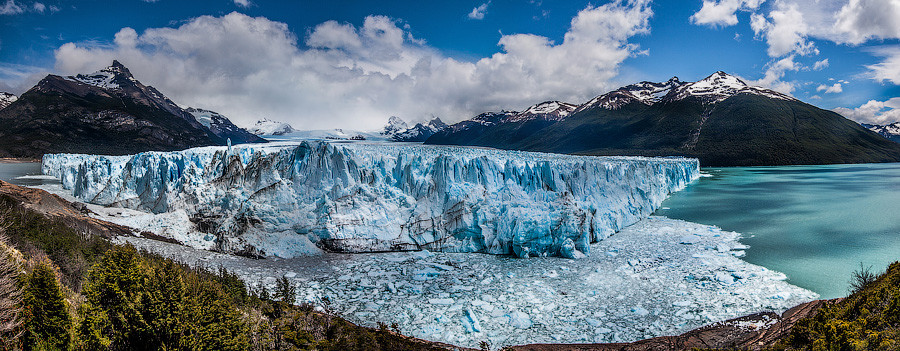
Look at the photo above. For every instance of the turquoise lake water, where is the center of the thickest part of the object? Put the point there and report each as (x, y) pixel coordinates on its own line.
(814, 223)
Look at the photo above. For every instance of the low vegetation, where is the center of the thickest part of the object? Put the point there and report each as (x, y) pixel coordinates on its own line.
(868, 319)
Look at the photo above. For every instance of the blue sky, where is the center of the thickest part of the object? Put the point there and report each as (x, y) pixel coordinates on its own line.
(353, 64)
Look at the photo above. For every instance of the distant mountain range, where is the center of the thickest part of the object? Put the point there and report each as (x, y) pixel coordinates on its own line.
(890, 131)
(106, 112)
(720, 119)
(398, 130)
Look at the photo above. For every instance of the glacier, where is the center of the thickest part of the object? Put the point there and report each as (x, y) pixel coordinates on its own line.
(293, 199)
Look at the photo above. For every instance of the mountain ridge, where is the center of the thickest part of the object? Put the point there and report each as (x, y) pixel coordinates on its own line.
(720, 119)
(889, 131)
(108, 111)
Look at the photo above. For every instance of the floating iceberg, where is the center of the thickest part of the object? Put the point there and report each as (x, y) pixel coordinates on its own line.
(282, 200)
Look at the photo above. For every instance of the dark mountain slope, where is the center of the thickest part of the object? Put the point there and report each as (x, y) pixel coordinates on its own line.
(720, 120)
(107, 112)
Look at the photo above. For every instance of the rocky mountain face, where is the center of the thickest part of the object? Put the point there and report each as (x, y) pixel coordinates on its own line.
(222, 127)
(890, 131)
(720, 119)
(106, 112)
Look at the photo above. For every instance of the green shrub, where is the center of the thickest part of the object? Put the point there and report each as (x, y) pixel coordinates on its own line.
(46, 321)
(868, 319)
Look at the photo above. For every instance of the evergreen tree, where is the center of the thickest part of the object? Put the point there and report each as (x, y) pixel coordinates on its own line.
(285, 290)
(47, 323)
(113, 296)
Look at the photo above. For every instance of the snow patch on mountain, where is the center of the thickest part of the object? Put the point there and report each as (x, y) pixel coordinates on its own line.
(890, 131)
(546, 111)
(715, 88)
(105, 78)
(645, 92)
(361, 197)
(395, 125)
(418, 132)
(269, 127)
(6, 99)
(221, 126)
(720, 86)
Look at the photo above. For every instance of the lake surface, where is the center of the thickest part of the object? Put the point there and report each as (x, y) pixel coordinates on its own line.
(814, 223)
(24, 173)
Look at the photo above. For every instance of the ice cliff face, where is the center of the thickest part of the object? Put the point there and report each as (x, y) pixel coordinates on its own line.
(362, 197)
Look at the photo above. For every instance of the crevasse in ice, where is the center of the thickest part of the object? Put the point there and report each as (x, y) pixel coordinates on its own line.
(382, 197)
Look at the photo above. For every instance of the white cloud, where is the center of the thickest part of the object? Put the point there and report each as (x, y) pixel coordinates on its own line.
(785, 31)
(874, 112)
(39, 7)
(831, 89)
(889, 68)
(722, 12)
(775, 71)
(11, 8)
(820, 65)
(243, 3)
(479, 11)
(862, 20)
(17, 79)
(54, 9)
(349, 76)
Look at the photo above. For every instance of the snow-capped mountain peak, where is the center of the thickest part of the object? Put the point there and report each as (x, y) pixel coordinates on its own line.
(418, 132)
(221, 126)
(715, 88)
(267, 126)
(547, 110)
(436, 124)
(394, 125)
(720, 86)
(107, 78)
(645, 92)
(6, 99)
(890, 131)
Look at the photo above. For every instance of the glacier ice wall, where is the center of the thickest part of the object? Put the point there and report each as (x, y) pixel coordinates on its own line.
(383, 197)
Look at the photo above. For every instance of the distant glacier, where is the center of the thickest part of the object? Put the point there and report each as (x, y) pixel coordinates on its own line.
(290, 200)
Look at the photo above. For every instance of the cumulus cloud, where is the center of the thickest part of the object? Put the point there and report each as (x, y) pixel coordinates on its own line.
(11, 8)
(785, 31)
(722, 12)
(39, 7)
(874, 112)
(775, 71)
(242, 3)
(862, 20)
(889, 68)
(479, 11)
(789, 27)
(831, 89)
(820, 65)
(345, 75)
